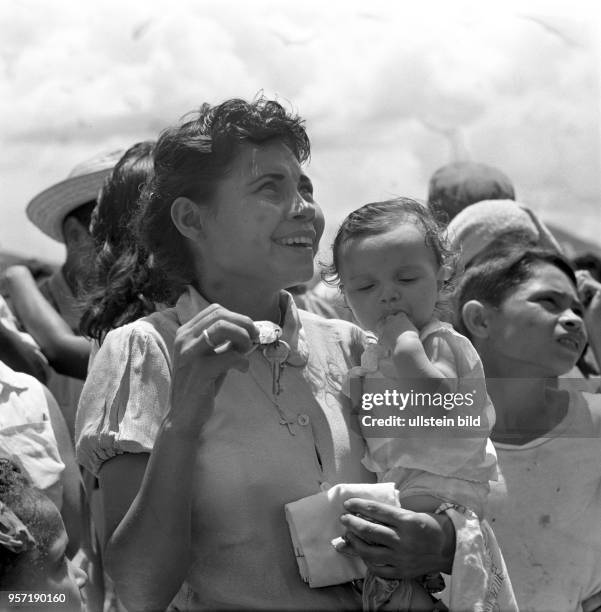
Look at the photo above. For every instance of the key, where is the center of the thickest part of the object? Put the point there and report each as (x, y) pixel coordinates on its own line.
(276, 355)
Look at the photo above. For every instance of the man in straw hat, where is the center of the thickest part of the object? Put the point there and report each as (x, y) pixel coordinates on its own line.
(63, 212)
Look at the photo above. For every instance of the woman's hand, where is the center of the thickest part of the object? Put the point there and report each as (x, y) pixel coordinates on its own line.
(397, 543)
(198, 370)
(589, 291)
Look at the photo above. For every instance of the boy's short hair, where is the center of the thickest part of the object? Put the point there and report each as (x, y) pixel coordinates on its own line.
(498, 273)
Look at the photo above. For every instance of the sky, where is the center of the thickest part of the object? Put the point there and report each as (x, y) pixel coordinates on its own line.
(390, 91)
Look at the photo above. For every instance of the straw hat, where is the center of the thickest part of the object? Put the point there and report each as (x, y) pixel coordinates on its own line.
(49, 208)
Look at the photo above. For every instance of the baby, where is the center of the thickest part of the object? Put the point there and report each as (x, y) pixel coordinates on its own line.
(392, 266)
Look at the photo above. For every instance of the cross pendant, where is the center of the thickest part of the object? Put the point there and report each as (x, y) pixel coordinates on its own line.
(288, 423)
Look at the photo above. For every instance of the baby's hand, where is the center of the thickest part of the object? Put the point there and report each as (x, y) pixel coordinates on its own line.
(394, 326)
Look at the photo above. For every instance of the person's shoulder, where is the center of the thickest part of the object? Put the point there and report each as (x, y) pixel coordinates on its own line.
(327, 333)
(345, 328)
(157, 324)
(442, 340)
(141, 341)
(439, 331)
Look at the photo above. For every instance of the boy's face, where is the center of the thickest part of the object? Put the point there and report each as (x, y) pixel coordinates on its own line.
(384, 274)
(539, 326)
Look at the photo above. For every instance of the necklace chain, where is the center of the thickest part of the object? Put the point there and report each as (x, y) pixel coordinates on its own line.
(284, 419)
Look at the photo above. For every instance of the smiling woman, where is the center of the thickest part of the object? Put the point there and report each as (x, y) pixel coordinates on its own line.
(199, 435)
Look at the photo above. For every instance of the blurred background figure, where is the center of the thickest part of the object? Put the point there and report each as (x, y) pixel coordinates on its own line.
(63, 212)
(457, 185)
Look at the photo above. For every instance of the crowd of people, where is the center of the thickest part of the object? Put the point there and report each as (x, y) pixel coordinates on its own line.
(183, 423)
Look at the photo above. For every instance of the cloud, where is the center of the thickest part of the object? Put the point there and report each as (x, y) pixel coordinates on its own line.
(390, 92)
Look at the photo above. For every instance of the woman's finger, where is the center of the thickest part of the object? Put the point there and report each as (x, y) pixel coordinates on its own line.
(368, 531)
(215, 313)
(375, 511)
(370, 553)
(224, 335)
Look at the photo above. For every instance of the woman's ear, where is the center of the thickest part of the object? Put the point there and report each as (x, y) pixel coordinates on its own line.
(476, 319)
(187, 216)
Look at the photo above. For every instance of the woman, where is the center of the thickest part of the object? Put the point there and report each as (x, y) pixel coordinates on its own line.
(197, 439)
(521, 309)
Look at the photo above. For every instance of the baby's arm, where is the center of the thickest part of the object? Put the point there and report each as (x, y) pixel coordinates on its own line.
(409, 355)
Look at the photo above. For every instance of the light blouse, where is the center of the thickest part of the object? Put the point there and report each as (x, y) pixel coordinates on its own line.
(253, 456)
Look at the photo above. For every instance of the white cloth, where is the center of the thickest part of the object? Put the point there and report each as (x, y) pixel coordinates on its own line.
(26, 434)
(314, 524)
(546, 511)
(479, 581)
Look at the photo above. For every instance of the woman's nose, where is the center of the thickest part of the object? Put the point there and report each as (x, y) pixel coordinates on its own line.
(302, 208)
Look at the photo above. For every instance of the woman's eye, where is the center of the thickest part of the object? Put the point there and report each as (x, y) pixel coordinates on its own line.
(365, 288)
(269, 187)
(407, 280)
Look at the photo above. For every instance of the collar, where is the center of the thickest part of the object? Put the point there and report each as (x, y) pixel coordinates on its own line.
(191, 302)
(8, 378)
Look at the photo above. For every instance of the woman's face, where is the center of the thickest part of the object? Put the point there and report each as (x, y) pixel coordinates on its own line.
(262, 228)
(538, 327)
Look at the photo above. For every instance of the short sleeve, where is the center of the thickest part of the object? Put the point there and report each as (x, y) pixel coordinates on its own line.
(451, 352)
(125, 396)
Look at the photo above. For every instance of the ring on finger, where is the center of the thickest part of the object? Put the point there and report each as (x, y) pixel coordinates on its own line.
(207, 339)
(217, 348)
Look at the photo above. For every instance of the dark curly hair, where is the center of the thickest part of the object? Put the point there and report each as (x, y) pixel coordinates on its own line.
(189, 161)
(381, 217)
(117, 293)
(31, 507)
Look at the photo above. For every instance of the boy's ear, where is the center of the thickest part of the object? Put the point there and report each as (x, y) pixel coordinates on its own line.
(476, 318)
(188, 217)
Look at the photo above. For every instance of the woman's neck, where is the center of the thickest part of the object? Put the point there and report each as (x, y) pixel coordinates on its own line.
(259, 305)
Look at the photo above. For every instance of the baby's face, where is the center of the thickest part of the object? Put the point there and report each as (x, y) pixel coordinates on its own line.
(388, 273)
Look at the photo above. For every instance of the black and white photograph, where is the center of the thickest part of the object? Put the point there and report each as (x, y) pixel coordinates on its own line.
(300, 306)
